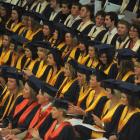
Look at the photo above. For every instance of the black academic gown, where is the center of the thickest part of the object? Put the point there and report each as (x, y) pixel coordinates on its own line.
(131, 129)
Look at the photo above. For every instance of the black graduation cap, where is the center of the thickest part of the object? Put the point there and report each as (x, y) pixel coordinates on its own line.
(126, 54)
(83, 39)
(104, 47)
(42, 44)
(93, 43)
(35, 83)
(50, 24)
(57, 54)
(73, 63)
(62, 104)
(50, 90)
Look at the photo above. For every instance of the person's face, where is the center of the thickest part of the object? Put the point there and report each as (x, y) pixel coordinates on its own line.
(25, 20)
(75, 10)
(91, 52)
(103, 58)
(68, 39)
(65, 9)
(82, 47)
(41, 98)
(137, 68)
(124, 99)
(122, 29)
(6, 41)
(99, 21)
(55, 34)
(93, 82)
(108, 22)
(56, 113)
(83, 12)
(26, 91)
(53, 4)
(109, 94)
(2, 11)
(67, 71)
(81, 78)
(133, 33)
(14, 15)
(41, 53)
(11, 84)
(46, 30)
(29, 22)
(50, 59)
(28, 53)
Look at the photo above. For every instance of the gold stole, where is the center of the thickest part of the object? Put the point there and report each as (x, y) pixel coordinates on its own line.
(32, 64)
(120, 46)
(8, 23)
(14, 27)
(10, 105)
(41, 69)
(30, 34)
(61, 45)
(92, 63)
(5, 57)
(83, 94)
(82, 59)
(65, 86)
(6, 94)
(136, 46)
(126, 76)
(125, 117)
(82, 25)
(54, 78)
(72, 54)
(18, 65)
(95, 102)
(22, 30)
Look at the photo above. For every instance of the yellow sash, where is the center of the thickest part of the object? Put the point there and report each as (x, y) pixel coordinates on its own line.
(125, 117)
(92, 63)
(95, 102)
(41, 69)
(72, 54)
(6, 94)
(32, 64)
(126, 76)
(49, 75)
(14, 27)
(61, 45)
(82, 59)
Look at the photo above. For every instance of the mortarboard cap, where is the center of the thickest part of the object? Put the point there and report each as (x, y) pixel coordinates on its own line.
(93, 43)
(83, 39)
(73, 63)
(42, 44)
(62, 104)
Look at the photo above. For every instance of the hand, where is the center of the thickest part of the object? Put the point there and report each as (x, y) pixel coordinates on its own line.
(11, 137)
(113, 137)
(97, 120)
(34, 133)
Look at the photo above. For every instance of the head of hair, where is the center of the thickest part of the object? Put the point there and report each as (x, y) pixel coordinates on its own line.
(124, 22)
(100, 13)
(133, 102)
(137, 27)
(113, 16)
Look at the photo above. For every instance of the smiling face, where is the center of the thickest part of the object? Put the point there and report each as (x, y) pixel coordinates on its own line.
(57, 113)
(75, 10)
(11, 84)
(81, 78)
(26, 91)
(99, 20)
(50, 60)
(133, 33)
(93, 81)
(122, 29)
(41, 52)
(103, 58)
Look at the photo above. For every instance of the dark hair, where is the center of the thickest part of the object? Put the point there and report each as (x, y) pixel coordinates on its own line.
(124, 22)
(136, 26)
(100, 13)
(113, 16)
(76, 4)
(133, 101)
(125, 66)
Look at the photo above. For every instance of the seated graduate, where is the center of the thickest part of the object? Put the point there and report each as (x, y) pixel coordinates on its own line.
(60, 129)
(80, 53)
(134, 33)
(92, 60)
(24, 112)
(29, 55)
(7, 55)
(55, 61)
(5, 12)
(86, 91)
(128, 126)
(137, 71)
(39, 67)
(126, 65)
(14, 23)
(69, 89)
(107, 64)
(11, 95)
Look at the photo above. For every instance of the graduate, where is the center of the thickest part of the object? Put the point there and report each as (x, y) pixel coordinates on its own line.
(123, 38)
(110, 36)
(92, 60)
(74, 16)
(14, 22)
(134, 34)
(28, 57)
(24, 111)
(69, 89)
(80, 53)
(86, 91)
(129, 120)
(11, 94)
(126, 65)
(61, 128)
(99, 25)
(107, 64)
(137, 71)
(55, 61)
(86, 23)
